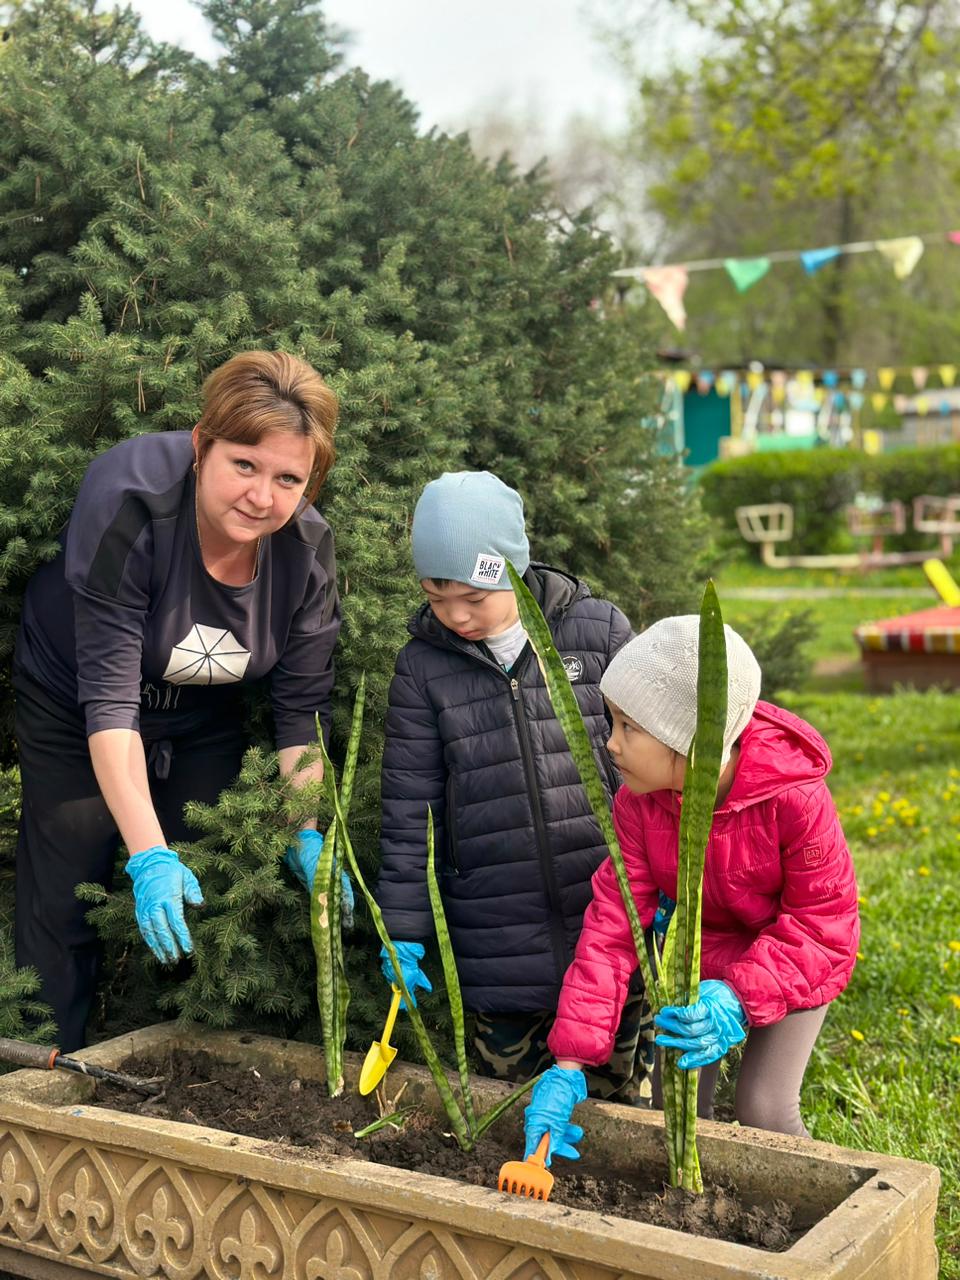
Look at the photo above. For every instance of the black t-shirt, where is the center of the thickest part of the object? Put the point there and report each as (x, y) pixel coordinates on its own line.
(126, 619)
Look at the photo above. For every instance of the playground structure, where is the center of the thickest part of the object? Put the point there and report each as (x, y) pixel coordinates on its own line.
(920, 649)
(770, 523)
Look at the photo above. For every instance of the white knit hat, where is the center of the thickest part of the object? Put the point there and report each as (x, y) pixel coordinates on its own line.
(653, 679)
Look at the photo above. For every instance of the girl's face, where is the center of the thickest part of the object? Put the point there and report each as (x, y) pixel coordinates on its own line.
(644, 763)
(246, 491)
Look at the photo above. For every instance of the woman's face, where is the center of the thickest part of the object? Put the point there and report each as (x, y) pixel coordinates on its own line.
(644, 763)
(247, 491)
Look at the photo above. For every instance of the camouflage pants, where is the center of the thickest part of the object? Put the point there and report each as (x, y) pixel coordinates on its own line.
(513, 1046)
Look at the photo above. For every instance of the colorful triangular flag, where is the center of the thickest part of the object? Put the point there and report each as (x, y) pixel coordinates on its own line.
(814, 259)
(745, 272)
(668, 285)
(919, 374)
(948, 374)
(903, 254)
(886, 378)
(878, 400)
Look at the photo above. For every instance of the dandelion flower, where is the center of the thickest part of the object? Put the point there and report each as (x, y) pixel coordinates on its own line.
(883, 795)
(923, 871)
(904, 1013)
(955, 1000)
(858, 1035)
(862, 901)
(871, 832)
(953, 944)
(924, 831)
(955, 1039)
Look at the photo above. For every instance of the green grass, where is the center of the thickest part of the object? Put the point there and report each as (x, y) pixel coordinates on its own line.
(885, 1074)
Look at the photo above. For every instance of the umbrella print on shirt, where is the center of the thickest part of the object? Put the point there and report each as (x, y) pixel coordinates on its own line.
(207, 655)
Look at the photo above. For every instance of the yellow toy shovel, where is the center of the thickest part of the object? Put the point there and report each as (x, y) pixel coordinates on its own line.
(381, 1053)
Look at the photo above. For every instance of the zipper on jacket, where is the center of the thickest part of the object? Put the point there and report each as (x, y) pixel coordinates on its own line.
(557, 936)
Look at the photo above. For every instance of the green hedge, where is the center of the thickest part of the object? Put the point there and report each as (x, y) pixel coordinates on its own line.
(819, 485)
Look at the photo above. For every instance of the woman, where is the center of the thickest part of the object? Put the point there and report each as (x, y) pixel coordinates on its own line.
(192, 562)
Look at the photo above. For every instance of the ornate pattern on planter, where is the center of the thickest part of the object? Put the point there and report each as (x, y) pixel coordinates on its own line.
(138, 1216)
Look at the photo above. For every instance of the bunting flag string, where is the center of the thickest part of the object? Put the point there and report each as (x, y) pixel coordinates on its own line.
(845, 387)
(668, 283)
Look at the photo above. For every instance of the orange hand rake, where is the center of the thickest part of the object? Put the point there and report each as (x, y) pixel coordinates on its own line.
(528, 1177)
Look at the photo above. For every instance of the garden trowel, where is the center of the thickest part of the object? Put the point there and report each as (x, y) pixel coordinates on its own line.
(381, 1053)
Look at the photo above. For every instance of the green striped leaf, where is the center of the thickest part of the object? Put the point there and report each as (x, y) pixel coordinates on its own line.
(451, 979)
(567, 711)
(458, 1124)
(333, 990)
(696, 821)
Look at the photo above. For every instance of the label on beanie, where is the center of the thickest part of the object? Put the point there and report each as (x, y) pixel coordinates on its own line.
(488, 570)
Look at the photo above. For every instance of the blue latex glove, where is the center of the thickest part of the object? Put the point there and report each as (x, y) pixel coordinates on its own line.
(665, 910)
(551, 1105)
(161, 885)
(302, 859)
(409, 954)
(706, 1030)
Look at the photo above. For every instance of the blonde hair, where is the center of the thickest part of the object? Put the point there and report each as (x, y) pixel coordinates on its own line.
(257, 392)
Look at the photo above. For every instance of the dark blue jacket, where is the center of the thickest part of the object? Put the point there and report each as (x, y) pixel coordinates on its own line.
(516, 841)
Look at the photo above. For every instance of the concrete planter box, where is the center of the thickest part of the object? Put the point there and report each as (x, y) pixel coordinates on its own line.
(85, 1189)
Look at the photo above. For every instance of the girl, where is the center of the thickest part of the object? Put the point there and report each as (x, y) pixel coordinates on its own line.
(780, 921)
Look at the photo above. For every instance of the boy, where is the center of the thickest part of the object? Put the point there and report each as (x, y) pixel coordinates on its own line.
(470, 732)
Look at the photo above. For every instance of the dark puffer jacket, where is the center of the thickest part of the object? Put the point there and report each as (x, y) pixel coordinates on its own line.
(516, 840)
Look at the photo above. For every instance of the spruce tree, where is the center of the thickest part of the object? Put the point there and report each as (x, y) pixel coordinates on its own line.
(158, 214)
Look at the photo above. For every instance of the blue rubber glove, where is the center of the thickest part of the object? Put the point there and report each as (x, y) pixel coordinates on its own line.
(302, 859)
(665, 910)
(551, 1105)
(409, 954)
(161, 885)
(706, 1030)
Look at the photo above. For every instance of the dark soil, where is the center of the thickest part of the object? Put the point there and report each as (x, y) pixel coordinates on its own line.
(298, 1114)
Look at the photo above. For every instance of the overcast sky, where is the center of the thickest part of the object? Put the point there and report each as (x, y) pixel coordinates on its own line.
(452, 57)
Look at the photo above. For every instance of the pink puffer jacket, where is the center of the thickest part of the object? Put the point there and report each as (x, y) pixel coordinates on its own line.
(780, 920)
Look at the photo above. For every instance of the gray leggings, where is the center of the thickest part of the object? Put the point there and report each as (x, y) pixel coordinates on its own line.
(771, 1072)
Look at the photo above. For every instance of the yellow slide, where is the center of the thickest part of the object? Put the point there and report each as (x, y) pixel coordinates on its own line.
(943, 582)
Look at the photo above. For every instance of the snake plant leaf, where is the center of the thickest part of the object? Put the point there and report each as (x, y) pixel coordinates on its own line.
(458, 1125)
(696, 821)
(567, 711)
(333, 991)
(451, 979)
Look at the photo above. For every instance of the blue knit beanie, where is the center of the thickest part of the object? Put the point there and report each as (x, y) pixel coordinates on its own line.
(466, 525)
